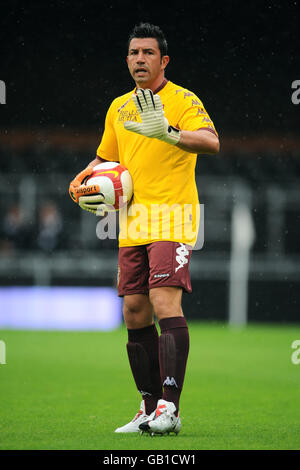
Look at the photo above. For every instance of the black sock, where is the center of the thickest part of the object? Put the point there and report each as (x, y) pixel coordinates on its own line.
(142, 348)
(173, 354)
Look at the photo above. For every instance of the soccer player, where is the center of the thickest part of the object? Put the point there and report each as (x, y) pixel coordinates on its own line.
(156, 131)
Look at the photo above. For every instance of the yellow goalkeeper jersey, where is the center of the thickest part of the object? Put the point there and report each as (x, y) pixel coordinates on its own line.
(165, 202)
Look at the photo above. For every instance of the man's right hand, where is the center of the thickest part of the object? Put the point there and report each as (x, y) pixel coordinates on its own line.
(75, 189)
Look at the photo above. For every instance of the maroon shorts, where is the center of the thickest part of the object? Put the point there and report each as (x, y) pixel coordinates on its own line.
(159, 264)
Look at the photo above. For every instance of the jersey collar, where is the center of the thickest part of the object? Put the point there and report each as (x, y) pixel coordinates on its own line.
(161, 86)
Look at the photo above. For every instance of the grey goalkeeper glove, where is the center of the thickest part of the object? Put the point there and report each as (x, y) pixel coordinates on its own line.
(91, 203)
(154, 123)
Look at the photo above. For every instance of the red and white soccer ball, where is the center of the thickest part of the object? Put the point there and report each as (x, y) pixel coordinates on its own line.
(115, 184)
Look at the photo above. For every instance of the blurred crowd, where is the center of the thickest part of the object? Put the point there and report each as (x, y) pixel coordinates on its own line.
(19, 232)
(51, 229)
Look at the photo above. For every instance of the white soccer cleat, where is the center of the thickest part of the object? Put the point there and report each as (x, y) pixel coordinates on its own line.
(164, 420)
(140, 417)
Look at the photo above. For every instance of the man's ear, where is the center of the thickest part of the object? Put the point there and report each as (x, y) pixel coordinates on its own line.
(164, 61)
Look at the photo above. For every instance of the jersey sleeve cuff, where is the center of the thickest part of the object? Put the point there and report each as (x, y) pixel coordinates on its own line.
(208, 129)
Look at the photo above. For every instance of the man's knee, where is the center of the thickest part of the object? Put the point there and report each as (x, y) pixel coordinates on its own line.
(136, 303)
(166, 301)
(137, 310)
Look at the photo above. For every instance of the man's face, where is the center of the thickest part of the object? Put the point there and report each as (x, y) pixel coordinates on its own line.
(144, 61)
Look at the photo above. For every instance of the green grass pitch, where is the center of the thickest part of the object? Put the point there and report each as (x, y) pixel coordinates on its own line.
(70, 390)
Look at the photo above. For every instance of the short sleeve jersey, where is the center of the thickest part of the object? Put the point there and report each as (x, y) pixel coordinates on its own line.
(165, 202)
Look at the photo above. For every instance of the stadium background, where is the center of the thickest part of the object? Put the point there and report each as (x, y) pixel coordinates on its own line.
(63, 63)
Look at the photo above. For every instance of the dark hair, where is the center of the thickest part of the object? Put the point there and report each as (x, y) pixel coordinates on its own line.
(147, 30)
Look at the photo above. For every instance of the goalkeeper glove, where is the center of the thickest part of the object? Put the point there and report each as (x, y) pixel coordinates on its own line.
(91, 203)
(154, 123)
(88, 197)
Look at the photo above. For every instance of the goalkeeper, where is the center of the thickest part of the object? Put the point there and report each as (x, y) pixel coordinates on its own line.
(156, 131)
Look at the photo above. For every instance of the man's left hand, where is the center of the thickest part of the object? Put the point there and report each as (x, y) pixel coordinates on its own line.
(154, 123)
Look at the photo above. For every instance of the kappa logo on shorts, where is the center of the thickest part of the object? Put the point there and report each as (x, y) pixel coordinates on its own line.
(181, 259)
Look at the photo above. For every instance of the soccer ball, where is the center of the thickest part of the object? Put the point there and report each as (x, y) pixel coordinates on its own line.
(115, 185)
